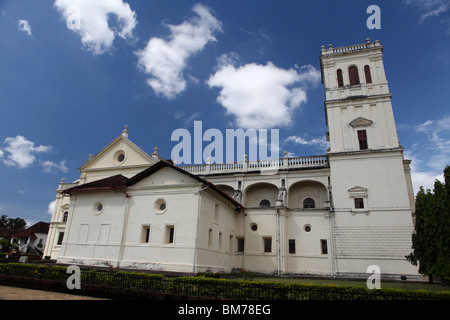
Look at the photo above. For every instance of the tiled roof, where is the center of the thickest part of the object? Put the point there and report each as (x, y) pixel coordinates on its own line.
(119, 182)
(40, 227)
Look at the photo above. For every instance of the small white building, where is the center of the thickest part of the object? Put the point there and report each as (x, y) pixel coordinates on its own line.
(330, 215)
(33, 239)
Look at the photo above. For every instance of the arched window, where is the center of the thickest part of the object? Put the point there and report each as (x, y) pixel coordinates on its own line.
(264, 203)
(65, 216)
(340, 79)
(309, 203)
(367, 73)
(353, 75)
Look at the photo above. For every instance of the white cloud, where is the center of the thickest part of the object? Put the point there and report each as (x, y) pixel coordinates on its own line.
(50, 166)
(165, 60)
(320, 143)
(22, 151)
(51, 207)
(261, 96)
(431, 8)
(24, 26)
(92, 21)
(420, 177)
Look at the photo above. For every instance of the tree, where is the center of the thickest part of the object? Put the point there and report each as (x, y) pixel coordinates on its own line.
(12, 223)
(431, 238)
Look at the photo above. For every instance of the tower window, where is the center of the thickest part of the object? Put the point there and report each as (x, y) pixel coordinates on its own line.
(65, 216)
(267, 245)
(309, 203)
(367, 73)
(340, 79)
(353, 75)
(362, 139)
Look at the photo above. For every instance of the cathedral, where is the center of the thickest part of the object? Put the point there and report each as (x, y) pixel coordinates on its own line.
(327, 215)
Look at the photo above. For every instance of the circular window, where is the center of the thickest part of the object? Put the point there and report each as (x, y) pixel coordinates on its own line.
(119, 157)
(307, 228)
(98, 208)
(160, 206)
(254, 227)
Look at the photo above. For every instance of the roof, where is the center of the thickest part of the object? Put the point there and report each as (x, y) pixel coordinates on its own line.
(120, 182)
(6, 232)
(40, 227)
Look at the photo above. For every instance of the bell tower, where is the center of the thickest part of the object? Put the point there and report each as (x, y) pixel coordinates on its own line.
(370, 182)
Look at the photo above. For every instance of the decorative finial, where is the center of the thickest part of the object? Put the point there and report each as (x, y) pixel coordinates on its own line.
(155, 150)
(368, 40)
(125, 131)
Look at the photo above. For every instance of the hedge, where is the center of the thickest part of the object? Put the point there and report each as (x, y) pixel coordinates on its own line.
(124, 284)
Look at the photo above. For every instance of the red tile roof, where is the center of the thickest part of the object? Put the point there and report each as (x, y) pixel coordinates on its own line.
(40, 227)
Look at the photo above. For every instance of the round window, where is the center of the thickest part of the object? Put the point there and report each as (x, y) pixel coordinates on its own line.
(119, 157)
(98, 208)
(307, 228)
(160, 206)
(254, 227)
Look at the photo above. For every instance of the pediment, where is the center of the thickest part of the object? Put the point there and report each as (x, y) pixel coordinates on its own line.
(120, 153)
(358, 191)
(361, 122)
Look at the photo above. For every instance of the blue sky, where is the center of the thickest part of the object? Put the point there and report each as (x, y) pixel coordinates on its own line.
(74, 72)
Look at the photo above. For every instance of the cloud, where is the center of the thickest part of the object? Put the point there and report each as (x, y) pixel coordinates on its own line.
(50, 166)
(21, 152)
(320, 143)
(92, 20)
(24, 26)
(165, 61)
(261, 96)
(419, 176)
(51, 207)
(431, 8)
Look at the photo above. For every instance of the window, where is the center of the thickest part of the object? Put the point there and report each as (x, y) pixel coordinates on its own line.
(169, 234)
(210, 238)
(65, 216)
(307, 228)
(160, 206)
(231, 244)
(240, 244)
(220, 240)
(264, 203)
(340, 79)
(267, 244)
(254, 227)
(60, 238)
(362, 139)
(291, 246)
(98, 208)
(216, 213)
(309, 203)
(121, 157)
(324, 246)
(367, 73)
(353, 75)
(145, 234)
(359, 203)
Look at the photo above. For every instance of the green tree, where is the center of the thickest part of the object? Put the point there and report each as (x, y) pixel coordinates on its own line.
(431, 238)
(12, 223)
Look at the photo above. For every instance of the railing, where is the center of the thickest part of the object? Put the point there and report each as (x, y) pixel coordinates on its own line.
(355, 47)
(258, 165)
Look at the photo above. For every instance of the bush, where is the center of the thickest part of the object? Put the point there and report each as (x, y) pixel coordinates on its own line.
(145, 285)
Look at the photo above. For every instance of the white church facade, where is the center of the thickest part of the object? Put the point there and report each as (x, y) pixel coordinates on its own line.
(330, 215)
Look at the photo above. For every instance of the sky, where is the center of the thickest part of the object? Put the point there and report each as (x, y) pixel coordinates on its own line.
(73, 73)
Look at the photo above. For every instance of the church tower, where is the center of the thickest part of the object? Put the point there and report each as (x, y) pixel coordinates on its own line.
(370, 184)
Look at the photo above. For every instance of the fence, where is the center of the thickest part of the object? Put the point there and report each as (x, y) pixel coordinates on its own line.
(203, 287)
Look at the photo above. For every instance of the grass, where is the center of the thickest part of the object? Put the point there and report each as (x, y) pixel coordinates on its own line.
(358, 283)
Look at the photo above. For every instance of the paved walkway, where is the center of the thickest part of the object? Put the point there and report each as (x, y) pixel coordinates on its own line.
(14, 293)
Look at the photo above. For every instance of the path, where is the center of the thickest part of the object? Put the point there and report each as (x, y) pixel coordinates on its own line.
(15, 293)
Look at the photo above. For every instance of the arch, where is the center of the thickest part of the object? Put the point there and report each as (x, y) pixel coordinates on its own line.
(300, 192)
(340, 78)
(353, 75)
(227, 189)
(256, 193)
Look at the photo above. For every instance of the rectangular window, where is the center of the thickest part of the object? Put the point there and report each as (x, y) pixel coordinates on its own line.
(324, 246)
(291, 246)
(145, 234)
(359, 203)
(362, 139)
(60, 238)
(231, 244)
(220, 240)
(210, 238)
(267, 244)
(240, 244)
(170, 230)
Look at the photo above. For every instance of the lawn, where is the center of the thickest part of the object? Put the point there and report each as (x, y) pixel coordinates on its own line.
(408, 285)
